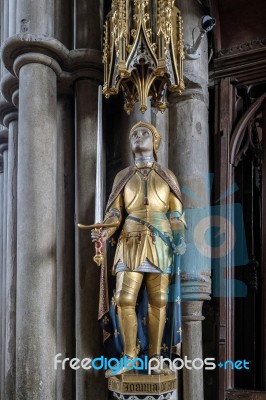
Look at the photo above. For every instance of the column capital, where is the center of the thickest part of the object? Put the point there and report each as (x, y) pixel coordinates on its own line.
(69, 66)
(8, 113)
(193, 91)
(9, 88)
(3, 139)
(3, 145)
(3, 148)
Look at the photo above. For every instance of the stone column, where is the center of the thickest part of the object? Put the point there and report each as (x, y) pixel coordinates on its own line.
(63, 25)
(4, 152)
(12, 17)
(4, 28)
(161, 121)
(88, 35)
(9, 117)
(36, 234)
(1, 234)
(189, 159)
(10, 120)
(88, 332)
(65, 249)
(35, 16)
(1, 261)
(6, 19)
(65, 302)
(4, 36)
(88, 24)
(36, 220)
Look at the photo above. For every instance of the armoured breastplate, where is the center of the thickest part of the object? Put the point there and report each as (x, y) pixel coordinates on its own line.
(146, 196)
(151, 186)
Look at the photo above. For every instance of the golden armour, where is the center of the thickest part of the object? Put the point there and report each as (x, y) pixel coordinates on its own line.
(136, 242)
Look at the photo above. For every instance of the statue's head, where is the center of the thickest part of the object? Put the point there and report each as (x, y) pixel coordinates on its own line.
(150, 137)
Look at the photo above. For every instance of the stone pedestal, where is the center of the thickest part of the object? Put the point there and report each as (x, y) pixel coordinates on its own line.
(144, 387)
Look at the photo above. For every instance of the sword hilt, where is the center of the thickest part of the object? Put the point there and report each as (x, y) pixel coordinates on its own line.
(99, 257)
(99, 225)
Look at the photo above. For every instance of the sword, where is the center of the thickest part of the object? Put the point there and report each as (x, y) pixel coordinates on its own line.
(99, 190)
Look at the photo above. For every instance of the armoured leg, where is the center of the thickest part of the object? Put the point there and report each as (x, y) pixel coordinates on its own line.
(127, 289)
(157, 288)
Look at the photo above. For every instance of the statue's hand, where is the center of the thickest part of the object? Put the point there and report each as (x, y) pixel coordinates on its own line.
(97, 234)
(180, 249)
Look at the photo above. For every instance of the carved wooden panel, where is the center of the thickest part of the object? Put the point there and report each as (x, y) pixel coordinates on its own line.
(245, 395)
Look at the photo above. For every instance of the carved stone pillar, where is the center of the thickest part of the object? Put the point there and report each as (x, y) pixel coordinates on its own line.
(12, 17)
(65, 249)
(65, 226)
(9, 117)
(88, 333)
(1, 261)
(11, 262)
(23, 53)
(36, 240)
(4, 27)
(189, 159)
(6, 19)
(1, 238)
(63, 22)
(36, 17)
(36, 202)
(4, 153)
(3, 215)
(161, 121)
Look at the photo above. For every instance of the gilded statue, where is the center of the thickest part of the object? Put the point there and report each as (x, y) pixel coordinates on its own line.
(146, 206)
